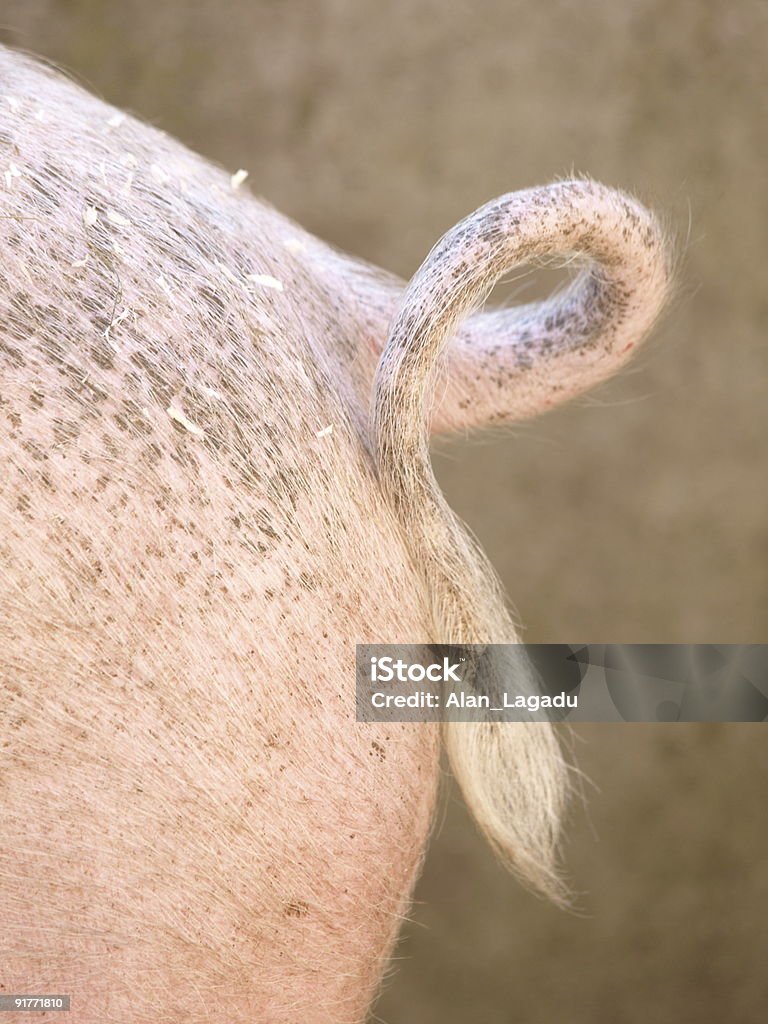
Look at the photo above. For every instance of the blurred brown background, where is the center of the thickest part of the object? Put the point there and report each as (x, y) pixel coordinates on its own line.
(637, 514)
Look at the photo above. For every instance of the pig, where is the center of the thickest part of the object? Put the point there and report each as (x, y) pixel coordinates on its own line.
(214, 481)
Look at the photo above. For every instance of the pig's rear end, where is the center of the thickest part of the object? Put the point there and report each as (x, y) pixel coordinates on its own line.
(193, 827)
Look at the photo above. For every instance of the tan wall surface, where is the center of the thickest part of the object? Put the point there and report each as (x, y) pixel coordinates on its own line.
(637, 514)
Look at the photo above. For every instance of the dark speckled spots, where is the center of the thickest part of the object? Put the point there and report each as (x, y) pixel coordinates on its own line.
(12, 354)
(23, 506)
(309, 581)
(111, 448)
(65, 431)
(102, 354)
(378, 751)
(213, 305)
(163, 380)
(81, 384)
(264, 523)
(284, 487)
(20, 320)
(151, 453)
(35, 451)
(131, 419)
(296, 908)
